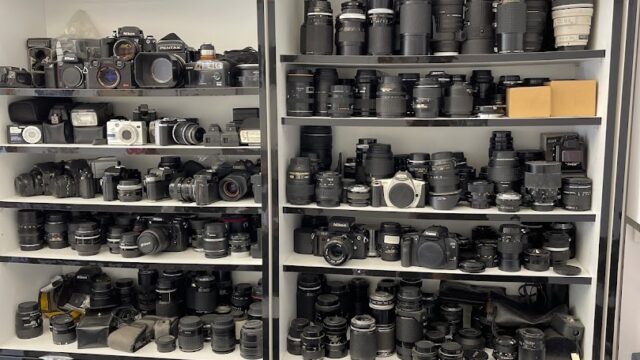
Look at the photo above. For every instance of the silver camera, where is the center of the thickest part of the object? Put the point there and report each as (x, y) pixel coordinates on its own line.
(401, 191)
(126, 132)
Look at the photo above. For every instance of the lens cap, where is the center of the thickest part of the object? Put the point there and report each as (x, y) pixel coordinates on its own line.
(567, 270)
(472, 266)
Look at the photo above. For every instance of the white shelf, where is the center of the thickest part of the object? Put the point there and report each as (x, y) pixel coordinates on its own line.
(286, 356)
(149, 149)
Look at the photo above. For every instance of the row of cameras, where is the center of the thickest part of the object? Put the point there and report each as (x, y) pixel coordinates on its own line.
(541, 179)
(444, 27)
(398, 317)
(185, 182)
(370, 94)
(128, 60)
(168, 307)
(52, 121)
(538, 247)
(134, 236)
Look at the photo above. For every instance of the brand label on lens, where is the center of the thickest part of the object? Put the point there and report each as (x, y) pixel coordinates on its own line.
(394, 240)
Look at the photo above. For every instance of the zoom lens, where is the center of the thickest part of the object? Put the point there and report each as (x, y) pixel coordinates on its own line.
(28, 320)
(324, 79)
(444, 190)
(316, 33)
(389, 241)
(317, 140)
(572, 23)
(309, 287)
(190, 334)
(234, 186)
(359, 296)
(215, 242)
(251, 340)
(223, 335)
(410, 319)
(478, 27)
(380, 21)
(504, 171)
(427, 96)
(391, 98)
(415, 27)
(537, 11)
(382, 306)
(447, 15)
(88, 239)
(458, 98)
(335, 340)
(530, 344)
(300, 92)
(338, 250)
(409, 81)
(300, 189)
(363, 339)
(341, 101)
(483, 87)
(542, 180)
(188, 133)
(511, 25)
(30, 230)
(55, 230)
(365, 92)
(167, 298)
(537, 259)
(576, 194)
(510, 247)
(350, 29)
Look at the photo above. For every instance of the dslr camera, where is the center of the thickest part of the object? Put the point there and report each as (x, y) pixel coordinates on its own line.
(126, 132)
(76, 180)
(434, 248)
(110, 73)
(346, 241)
(401, 191)
(202, 188)
(39, 180)
(171, 235)
(14, 77)
(157, 180)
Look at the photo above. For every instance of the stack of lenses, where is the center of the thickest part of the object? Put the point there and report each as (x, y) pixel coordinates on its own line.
(558, 243)
(251, 340)
(380, 20)
(572, 23)
(317, 140)
(511, 25)
(382, 306)
(114, 237)
(335, 340)
(366, 92)
(500, 141)
(481, 194)
(391, 99)
(341, 101)
(326, 305)
(223, 336)
(576, 193)
(300, 92)
(294, 342)
(359, 195)
(316, 33)
(129, 245)
(427, 96)
(410, 317)
(350, 29)
(30, 230)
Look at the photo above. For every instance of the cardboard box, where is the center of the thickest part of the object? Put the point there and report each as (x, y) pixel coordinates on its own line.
(527, 102)
(573, 97)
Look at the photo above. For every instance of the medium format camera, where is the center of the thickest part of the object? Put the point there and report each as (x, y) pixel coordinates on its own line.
(434, 248)
(110, 73)
(166, 67)
(347, 241)
(125, 132)
(164, 236)
(24, 134)
(401, 191)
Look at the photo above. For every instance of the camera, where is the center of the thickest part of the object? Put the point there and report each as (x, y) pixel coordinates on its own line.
(126, 132)
(434, 248)
(235, 180)
(110, 73)
(164, 68)
(128, 42)
(347, 241)
(169, 131)
(143, 113)
(401, 191)
(40, 53)
(14, 77)
(72, 73)
(202, 188)
(76, 180)
(112, 177)
(24, 134)
(161, 235)
(39, 180)
(566, 148)
(208, 72)
(157, 180)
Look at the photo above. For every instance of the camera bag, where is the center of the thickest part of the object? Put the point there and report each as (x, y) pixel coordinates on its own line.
(507, 313)
(93, 331)
(30, 111)
(61, 133)
(89, 134)
(130, 338)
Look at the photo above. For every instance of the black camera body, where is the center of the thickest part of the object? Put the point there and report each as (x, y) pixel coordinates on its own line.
(568, 149)
(72, 72)
(110, 73)
(25, 134)
(176, 230)
(112, 176)
(14, 77)
(205, 187)
(174, 45)
(76, 181)
(128, 42)
(157, 182)
(40, 53)
(39, 180)
(432, 249)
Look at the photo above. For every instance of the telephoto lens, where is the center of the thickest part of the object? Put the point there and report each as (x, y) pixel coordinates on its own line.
(444, 190)
(336, 344)
(350, 29)
(427, 96)
(558, 243)
(505, 348)
(500, 141)
(205, 299)
(359, 296)
(114, 238)
(576, 194)
(537, 259)
(452, 314)
(326, 305)
(30, 230)
(365, 92)
(458, 98)
(317, 140)
(300, 187)
(508, 201)
(88, 238)
(504, 170)
(190, 335)
(482, 84)
(487, 253)
(543, 180)
(300, 92)
(328, 189)
(309, 287)
(481, 194)
(409, 81)
(130, 190)
(341, 101)
(511, 25)
(55, 230)
(537, 11)
(478, 27)
(216, 241)
(391, 101)
(382, 306)
(470, 339)
(167, 298)
(363, 340)
(572, 23)
(63, 329)
(389, 241)
(379, 163)
(294, 342)
(415, 27)
(510, 247)
(410, 317)
(324, 79)
(448, 35)
(530, 344)
(312, 339)
(28, 323)
(251, 340)
(424, 350)
(451, 350)
(223, 334)
(380, 21)
(316, 34)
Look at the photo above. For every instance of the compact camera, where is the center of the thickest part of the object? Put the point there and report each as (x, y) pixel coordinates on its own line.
(13, 77)
(401, 191)
(24, 134)
(110, 73)
(72, 72)
(126, 132)
(434, 248)
(162, 235)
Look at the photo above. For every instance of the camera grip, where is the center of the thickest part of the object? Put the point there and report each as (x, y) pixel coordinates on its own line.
(377, 194)
(405, 252)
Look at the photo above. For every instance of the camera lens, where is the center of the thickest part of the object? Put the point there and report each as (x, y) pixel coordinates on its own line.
(359, 296)
(415, 27)
(215, 242)
(130, 190)
(251, 340)
(537, 259)
(350, 29)
(300, 92)
(365, 92)
(430, 304)
(452, 313)
(63, 329)
(388, 285)
(154, 240)
(558, 243)
(234, 186)
(206, 294)
(108, 77)
(28, 324)
(576, 194)
(443, 182)
(103, 295)
(510, 247)
(451, 350)
(30, 230)
(241, 297)
(500, 141)
(338, 250)
(410, 317)
(359, 195)
(447, 15)
(341, 101)
(312, 340)
(324, 79)
(482, 80)
(55, 229)
(427, 95)
(570, 230)
(300, 188)
(114, 238)
(190, 335)
(511, 25)
(418, 166)
(435, 336)
(572, 23)
(363, 340)
(508, 201)
(379, 161)
(335, 339)
(543, 180)
(88, 239)
(481, 194)
(339, 289)
(487, 254)
(239, 318)
(167, 298)
(309, 287)
(380, 20)
(537, 11)
(470, 339)
(409, 81)
(382, 306)
(294, 343)
(188, 133)
(389, 241)
(424, 350)
(129, 245)
(240, 244)
(391, 99)
(198, 233)
(478, 27)
(182, 189)
(126, 292)
(317, 30)
(166, 343)
(223, 334)
(328, 189)
(317, 140)
(505, 348)
(504, 170)
(530, 344)
(326, 305)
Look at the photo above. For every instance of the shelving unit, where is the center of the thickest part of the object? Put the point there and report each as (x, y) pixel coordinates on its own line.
(440, 122)
(228, 91)
(88, 149)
